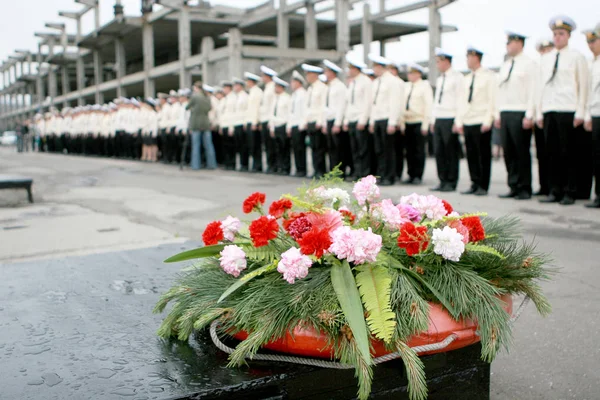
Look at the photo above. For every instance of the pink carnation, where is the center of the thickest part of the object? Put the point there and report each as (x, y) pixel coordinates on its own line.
(294, 265)
(329, 221)
(366, 190)
(387, 212)
(410, 213)
(233, 260)
(429, 206)
(230, 226)
(355, 245)
(460, 228)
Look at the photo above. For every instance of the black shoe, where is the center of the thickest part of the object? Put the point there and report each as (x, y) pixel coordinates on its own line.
(447, 188)
(567, 201)
(408, 181)
(550, 199)
(480, 192)
(416, 181)
(508, 195)
(594, 204)
(437, 188)
(472, 190)
(386, 182)
(542, 193)
(523, 196)
(300, 175)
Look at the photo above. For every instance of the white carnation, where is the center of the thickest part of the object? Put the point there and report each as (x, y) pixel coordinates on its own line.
(448, 243)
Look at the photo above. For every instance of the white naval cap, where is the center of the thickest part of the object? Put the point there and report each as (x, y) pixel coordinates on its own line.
(439, 52)
(280, 82)
(311, 68)
(355, 62)
(172, 93)
(472, 50)
(592, 34)
(150, 101)
(323, 78)
(238, 81)
(414, 67)
(134, 102)
(368, 72)
(226, 83)
(184, 92)
(267, 71)
(298, 77)
(543, 43)
(251, 76)
(513, 35)
(380, 60)
(332, 66)
(562, 22)
(208, 88)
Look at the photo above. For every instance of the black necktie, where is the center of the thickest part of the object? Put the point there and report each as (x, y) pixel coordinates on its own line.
(512, 65)
(555, 69)
(442, 89)
(276, 102)
(377, 91)
(353, 87)
(412, 86)
(471, 87)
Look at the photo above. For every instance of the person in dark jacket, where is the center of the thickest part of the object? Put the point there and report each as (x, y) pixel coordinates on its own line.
(199, 106)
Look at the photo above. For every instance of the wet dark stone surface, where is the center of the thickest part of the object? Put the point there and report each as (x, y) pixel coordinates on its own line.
(82, 328)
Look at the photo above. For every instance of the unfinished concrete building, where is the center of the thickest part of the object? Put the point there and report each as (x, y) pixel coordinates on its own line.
(174, 42)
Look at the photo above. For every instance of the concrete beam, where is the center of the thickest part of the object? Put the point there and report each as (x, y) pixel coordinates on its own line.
(184, 44)
(283, 26)
(273, 52)
(410, 7)
(311, 34)
(156, 15)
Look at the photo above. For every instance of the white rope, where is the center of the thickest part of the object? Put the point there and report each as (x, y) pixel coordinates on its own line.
(337, 365)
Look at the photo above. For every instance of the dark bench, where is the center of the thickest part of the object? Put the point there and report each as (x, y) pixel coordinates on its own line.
(17, 182)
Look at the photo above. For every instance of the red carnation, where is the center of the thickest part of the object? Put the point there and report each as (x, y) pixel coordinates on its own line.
(262, 230)
(213, 233)
(297, 228)
(348, 216)
(315, 241)
(413, 238)
(291, 217)
(448, 207)
(255, 200)
(475, 227)
(279, 207)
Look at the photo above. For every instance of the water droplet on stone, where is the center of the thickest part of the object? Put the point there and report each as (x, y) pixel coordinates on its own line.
(52, 379)
(124, 392)
(35, 382)
(106, 373)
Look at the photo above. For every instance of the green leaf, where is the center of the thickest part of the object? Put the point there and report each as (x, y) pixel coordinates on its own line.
(262, 254)
(200, 252)
(481, 248)
(246, 278)
(398, 265)
(349, 298)
(375, 285)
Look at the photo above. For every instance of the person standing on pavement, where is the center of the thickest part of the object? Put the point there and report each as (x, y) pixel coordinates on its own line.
(592, 117)
(296, 124)
(333, 117)
(515, 104)
(358, 110)
(399, 141)
(280, 113)
(562, 99)
(449, 95)
(252, 138)
(226, 126)
(239, 124)
(199, 107)
(417, 116)
(543, 46)
(266, 104)
(315, 106)
(475, 121)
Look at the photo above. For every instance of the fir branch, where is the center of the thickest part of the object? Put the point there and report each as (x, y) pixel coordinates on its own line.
(415, 372)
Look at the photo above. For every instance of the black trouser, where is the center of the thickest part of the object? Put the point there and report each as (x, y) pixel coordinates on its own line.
(241, 146)
(385, 151)
(269, 143)
(318, 145)
(254, 145)
(218, 144)
(516, 143)
(542, 157)
(360, 149)
(562, 153)
(479, 155)
(171, 145)
(299, 148)
(162, 145)
(447, 152)
(282, 146)
(596, 150)
(414, 143)
(334, 147)
(119, 143)
(228, 149)
(585, 164)
(399, 146)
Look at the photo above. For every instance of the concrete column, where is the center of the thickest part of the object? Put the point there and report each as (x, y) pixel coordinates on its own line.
(342, 7)
(80, 68)
(283, 26)
(208, 45)
(120, 65)
(234, 44)
(366, 32)
(148, 48)
(98, 75)
(39, 80)
(381, 5)
(435, 39)
(66, 85)
(29, 62)
(382, 47)
(311, 34)
(52, 89)
(185, 45)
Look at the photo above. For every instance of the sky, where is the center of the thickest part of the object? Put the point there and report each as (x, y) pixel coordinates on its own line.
(481, 23)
